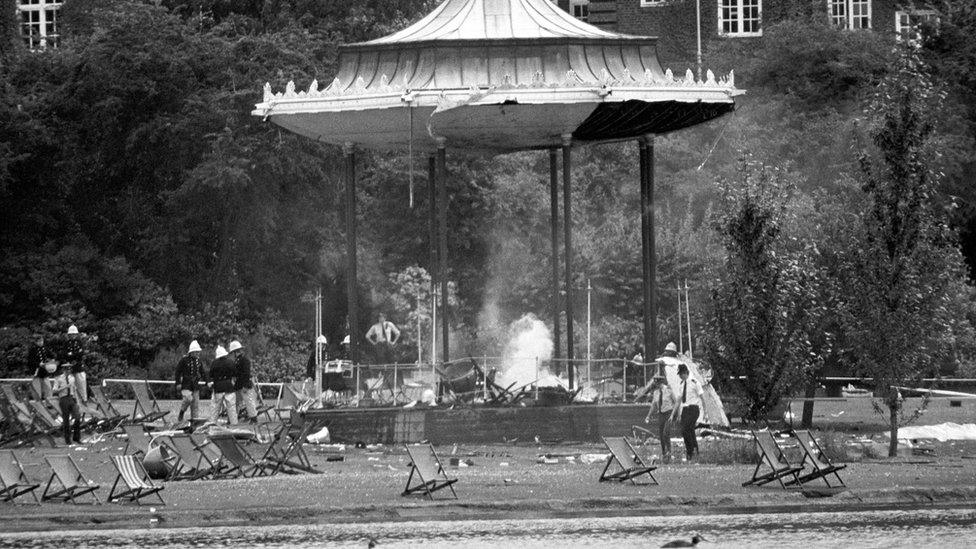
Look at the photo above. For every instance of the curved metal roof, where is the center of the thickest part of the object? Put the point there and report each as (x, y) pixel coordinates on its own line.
(495, 19)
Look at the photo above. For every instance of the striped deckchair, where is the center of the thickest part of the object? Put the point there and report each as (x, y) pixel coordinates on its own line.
(13, 481)
(137, 482)
(69, 476)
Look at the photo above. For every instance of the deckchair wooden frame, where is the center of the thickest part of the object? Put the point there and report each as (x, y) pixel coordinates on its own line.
(239, 461)
(13, 481)
(427, 466)
(772, 455)
(285, 446)
(137, 482)
(146, 403)
(111, 413)
(822, 467)
(630, 462)
(211, 452)
(73, 482)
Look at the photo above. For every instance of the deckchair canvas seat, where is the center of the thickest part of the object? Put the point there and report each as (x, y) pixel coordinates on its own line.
(73, 483)
(630, 463)
(145, 409)
(188, 462)
(239, 461)
(13, 481)
(137, 482)
(814, 454)
(430, 474)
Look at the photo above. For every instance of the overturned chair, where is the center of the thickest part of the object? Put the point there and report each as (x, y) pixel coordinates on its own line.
(628, 460)
(430, 474)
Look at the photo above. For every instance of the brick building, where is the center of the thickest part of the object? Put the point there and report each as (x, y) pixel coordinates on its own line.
(673, 21)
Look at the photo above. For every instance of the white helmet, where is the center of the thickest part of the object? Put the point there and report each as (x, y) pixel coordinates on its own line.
(320, 340)
(220, 352)
(194, 347)
(345, 340)
(51, 366)
(671, 347)
(235, 345)
(72, 330)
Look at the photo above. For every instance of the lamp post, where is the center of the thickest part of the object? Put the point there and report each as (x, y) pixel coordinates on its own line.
(698, 53)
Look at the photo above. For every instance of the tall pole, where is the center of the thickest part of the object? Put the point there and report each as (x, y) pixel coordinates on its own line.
(568, 249)
(432, 241)
(688, 318)
(554, 234)
(589, 311)
(681, 338)
(646, 149)
(442, 253)
(698, 51)
(349, 152)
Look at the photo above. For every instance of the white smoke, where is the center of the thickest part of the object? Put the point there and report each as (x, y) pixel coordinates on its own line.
(528, 347)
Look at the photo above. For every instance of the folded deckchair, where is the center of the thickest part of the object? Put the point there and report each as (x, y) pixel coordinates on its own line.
(187, 462)
(137, 482)
(287, 452)
(239, 461)
(630, 463)
(13, 481)
(822, 467)
(137, 440)
(430, 474)
(771, 455)
(146, 409)
(104, 405)
(69, 476)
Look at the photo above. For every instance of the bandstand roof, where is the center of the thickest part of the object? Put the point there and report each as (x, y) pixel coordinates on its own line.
(497, 75)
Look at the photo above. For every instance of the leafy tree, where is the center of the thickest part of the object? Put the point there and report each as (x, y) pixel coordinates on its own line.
(762, 302)
(900, 305)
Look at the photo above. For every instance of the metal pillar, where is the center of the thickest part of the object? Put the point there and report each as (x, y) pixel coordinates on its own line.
(432, 241)
(646, 150)
(554, 231)
(442, 254)
(568, 251)
(349, 152)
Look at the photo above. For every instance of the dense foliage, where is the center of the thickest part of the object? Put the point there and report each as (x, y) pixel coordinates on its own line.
(143, 202)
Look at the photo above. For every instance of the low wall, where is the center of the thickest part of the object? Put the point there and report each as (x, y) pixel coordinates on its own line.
(479, 425)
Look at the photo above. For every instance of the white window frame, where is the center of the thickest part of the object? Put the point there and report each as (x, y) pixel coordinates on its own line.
(42, 9)
(739, 18)
(919, 15)
(846, 19)
(583, 15)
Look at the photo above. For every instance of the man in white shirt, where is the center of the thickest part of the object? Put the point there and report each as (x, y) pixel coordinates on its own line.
(688, 410)
(662, 406)
(383, 335)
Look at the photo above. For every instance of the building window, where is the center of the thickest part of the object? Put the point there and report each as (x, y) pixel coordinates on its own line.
(651, 3)
(580, 9)
(39, 22)
(907, 23)
(850, 14)
(740, 17)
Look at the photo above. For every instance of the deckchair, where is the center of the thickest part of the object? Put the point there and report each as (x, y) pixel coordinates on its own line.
(187, 462)
(239, 461)
(104, 405)
(430, 474)
(145, 409)
(137, 440)
(822, 467)
(630, 463)
(69, 476)
(287, 452)
(137, 482)
(213, 455)
(263, 408)
(13, 481)
(20, 427)
(771, 455)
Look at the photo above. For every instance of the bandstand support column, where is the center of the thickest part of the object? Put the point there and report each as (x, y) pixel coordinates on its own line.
(432, 241)
(648, 249)
(554, 232)
(568, 251)
(352, 276)
(442, 240)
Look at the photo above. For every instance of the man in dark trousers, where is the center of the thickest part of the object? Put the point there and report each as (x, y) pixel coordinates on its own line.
(222, 376)
(41, 364)
(244, 384)
(74, 354)
(688, 409)
(662, 406)
(189, 374)
(64, 388)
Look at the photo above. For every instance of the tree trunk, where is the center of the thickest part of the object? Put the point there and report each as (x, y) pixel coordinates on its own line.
(806, 422)
(893, 419)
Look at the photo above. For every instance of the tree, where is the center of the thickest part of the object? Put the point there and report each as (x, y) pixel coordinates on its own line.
(908, 265)
(762, 301)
